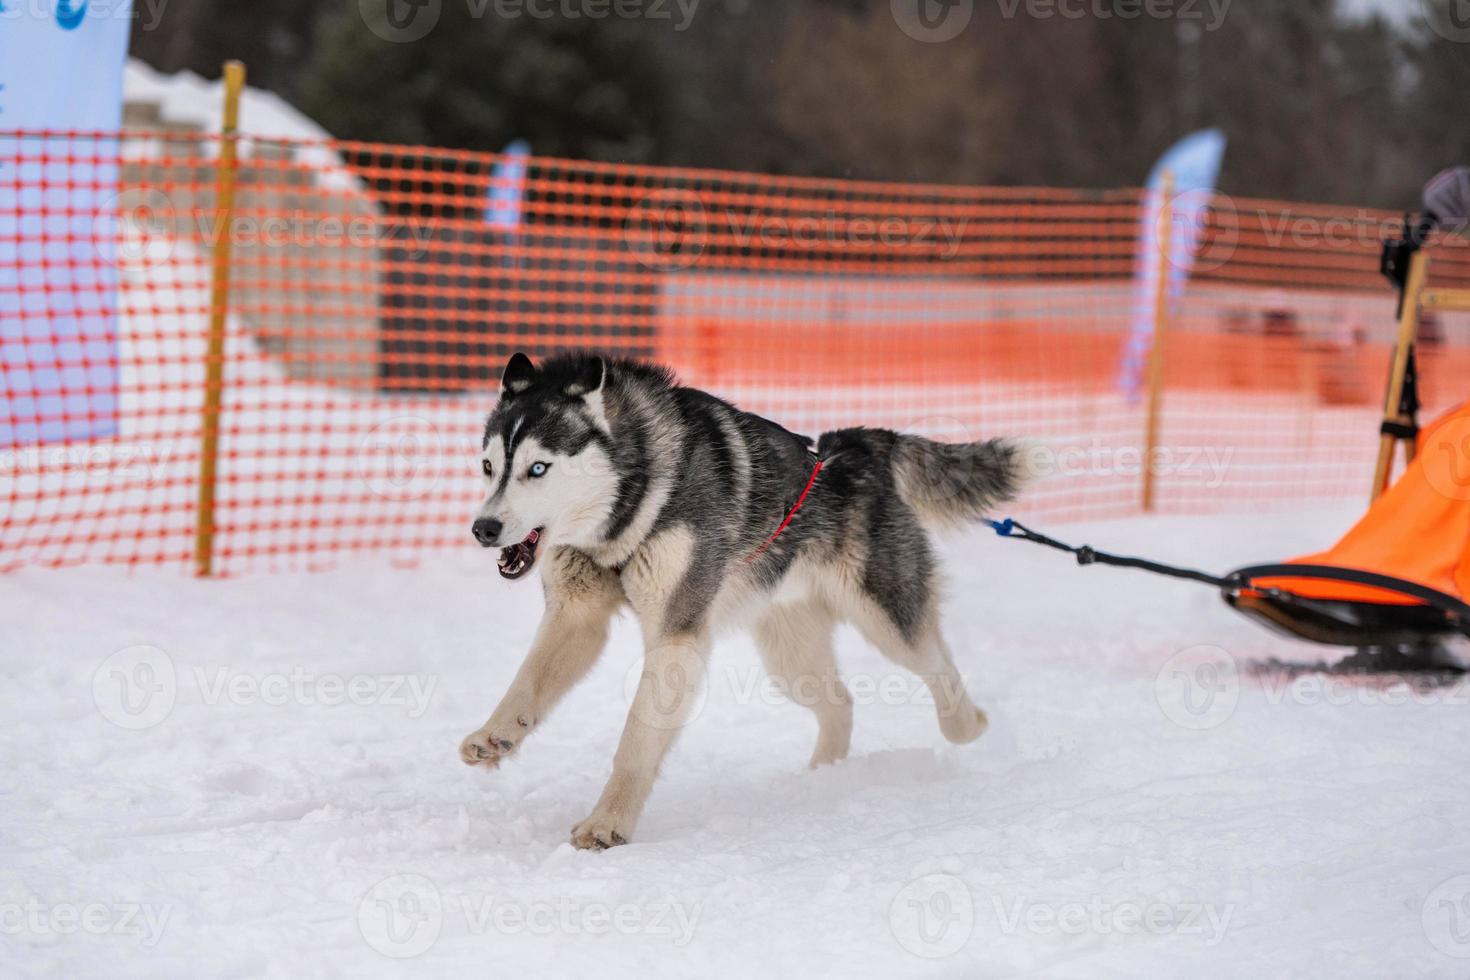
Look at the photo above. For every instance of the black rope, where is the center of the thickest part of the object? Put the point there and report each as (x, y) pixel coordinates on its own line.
(1087, 555)
(1456, 610)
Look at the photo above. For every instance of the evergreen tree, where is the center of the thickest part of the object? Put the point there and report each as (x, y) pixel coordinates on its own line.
(477, 80)
(1316, 106)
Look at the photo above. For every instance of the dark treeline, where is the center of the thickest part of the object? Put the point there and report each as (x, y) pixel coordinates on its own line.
(1317, 106)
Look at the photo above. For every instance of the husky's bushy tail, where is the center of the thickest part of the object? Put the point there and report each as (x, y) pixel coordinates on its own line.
(945, 483)
(951, 483)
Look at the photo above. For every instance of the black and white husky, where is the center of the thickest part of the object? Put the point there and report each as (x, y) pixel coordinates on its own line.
(626, 488)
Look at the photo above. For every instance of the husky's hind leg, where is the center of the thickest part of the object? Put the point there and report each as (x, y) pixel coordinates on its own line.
(959, 719)
(795, 643)
(921, 649)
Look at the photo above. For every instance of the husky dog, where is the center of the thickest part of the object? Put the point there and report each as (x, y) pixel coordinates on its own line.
(625, 487)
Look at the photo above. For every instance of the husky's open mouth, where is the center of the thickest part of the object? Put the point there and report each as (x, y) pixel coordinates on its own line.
(516, 560)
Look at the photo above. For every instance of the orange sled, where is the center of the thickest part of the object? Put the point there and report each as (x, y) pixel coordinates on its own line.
(1400, 576)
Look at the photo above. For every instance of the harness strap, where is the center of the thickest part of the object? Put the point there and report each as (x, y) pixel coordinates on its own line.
(786, 521)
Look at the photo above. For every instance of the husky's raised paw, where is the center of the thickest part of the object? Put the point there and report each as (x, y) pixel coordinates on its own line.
(597, 834)
(491, 744)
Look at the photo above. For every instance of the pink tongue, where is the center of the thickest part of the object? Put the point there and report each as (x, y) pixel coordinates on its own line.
(532, 538)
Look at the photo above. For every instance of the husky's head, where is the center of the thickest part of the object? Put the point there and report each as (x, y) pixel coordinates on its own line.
(546, 460)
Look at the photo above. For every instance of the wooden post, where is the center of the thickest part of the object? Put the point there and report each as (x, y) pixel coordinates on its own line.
(219, 300)
(1408, 330)
(1164, 237)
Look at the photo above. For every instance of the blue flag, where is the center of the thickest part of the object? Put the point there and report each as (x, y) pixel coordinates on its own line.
(1194, 165)
(508, 187)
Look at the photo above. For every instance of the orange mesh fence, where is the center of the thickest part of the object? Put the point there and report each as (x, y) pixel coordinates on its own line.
(375, 292)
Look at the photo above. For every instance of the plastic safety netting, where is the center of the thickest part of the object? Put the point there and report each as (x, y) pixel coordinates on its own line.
(376, 291)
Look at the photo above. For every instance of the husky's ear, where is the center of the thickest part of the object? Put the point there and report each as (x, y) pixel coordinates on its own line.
(589, 378)
(518, 374)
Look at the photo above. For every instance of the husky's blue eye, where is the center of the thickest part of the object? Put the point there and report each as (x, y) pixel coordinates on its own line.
(487, 468)
(539, 468)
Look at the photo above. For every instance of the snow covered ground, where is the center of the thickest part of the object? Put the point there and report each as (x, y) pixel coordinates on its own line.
(260, 777)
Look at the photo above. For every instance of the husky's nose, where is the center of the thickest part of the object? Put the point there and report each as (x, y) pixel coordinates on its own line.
(486, 531)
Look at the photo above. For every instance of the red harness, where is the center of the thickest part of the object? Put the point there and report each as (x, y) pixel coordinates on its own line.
(786, 522)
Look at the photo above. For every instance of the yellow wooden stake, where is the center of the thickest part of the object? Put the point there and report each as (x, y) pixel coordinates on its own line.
(1408, 330)
(1444, 299)
(1165, 224)
(219, 300)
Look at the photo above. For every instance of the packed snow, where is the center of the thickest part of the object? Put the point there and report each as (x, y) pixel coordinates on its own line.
(260, 777)
(184, 98)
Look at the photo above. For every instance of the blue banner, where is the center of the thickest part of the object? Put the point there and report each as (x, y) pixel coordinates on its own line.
(508, 186)
(1194, 166)
(61, 67)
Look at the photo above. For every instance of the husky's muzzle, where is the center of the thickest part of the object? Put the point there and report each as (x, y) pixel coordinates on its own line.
(516, 560)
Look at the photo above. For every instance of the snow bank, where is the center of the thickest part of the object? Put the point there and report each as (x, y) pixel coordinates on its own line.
(184, 97)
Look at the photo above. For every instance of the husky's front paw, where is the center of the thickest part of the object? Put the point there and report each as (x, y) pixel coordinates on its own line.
(598, 832)
(493, 742)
